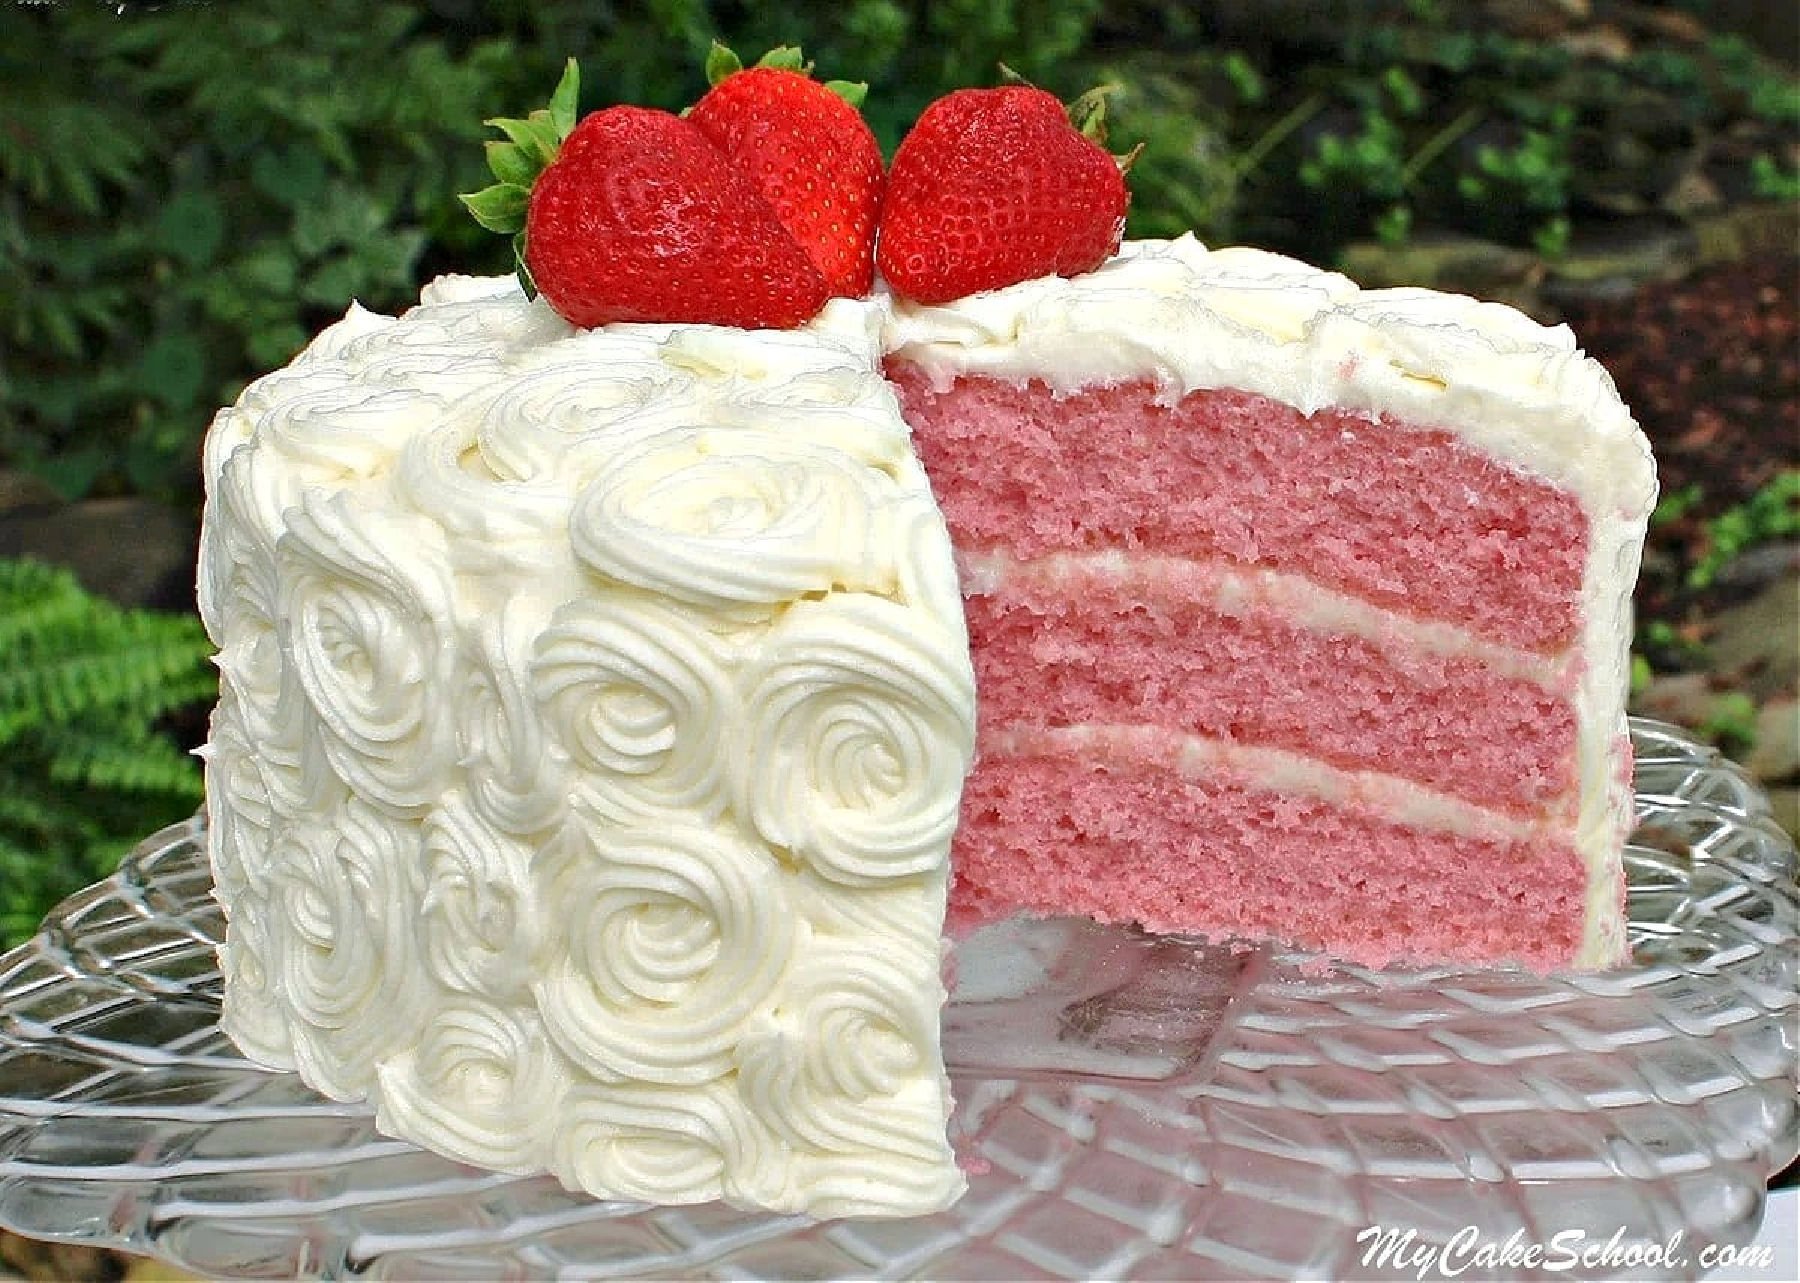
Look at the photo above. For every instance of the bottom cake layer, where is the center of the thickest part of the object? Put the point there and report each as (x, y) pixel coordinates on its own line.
(1130, 835)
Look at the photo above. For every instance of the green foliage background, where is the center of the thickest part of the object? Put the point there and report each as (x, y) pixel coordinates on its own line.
(85, 766)
(187, 190)
(191, 189)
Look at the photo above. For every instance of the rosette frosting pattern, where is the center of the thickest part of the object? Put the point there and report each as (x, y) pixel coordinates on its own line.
(595, 712)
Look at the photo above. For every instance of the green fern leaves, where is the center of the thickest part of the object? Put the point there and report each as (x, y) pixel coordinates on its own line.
(86, 767)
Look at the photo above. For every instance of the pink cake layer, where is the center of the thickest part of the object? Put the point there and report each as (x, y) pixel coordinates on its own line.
(1138, 841)
(1402, 515)
(1096, 645)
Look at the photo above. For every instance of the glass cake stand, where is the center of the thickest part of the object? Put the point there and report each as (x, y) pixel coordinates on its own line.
(1129, 1106)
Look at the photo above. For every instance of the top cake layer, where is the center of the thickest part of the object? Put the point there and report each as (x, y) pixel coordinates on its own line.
(1194, 318)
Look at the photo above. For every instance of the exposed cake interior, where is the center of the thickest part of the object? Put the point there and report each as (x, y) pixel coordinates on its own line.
(1248, 671)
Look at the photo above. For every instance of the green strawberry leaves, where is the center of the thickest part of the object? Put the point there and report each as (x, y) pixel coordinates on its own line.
(530, 145)
(500, 208)
(1087, 113)
(722, 61)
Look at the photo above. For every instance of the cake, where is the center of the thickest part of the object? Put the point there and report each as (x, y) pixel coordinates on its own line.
(609, 717)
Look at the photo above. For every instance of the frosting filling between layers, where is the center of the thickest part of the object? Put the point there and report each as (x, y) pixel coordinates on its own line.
(1208, 649)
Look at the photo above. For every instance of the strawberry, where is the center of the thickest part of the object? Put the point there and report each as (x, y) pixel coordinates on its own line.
(632, 215)
(996, 186)
(805, 146)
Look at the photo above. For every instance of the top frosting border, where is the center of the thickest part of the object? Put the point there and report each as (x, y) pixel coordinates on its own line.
(1194, 318)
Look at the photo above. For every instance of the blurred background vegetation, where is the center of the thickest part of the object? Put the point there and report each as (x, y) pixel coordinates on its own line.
(187, 190)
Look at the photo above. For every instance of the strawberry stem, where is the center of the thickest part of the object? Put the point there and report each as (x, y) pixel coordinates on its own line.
(1088, 113)
(531, 145)
(721, 62)
(851, 91)
(786, 58)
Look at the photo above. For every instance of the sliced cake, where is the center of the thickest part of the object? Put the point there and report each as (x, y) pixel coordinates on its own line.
(1296, 610)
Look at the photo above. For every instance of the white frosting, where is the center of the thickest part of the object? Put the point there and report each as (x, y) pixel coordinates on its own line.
(1232, 588)
(580, 691)
(595, 705)
(1192, 318)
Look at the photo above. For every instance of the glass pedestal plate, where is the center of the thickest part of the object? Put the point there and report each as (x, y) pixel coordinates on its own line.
(1130, 1106)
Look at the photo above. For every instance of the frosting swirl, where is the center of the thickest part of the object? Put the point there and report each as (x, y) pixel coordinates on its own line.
(529, 426)
(665, 1147)
(482, 1086)
(517, 779)
(370, 635)
(243, 820)
(639, 697)
(730, 518)
(343, 959)
(846, 1065)
(860, 730)
(346, 428)
(668, 940)
(253, 1016)
(479, 919)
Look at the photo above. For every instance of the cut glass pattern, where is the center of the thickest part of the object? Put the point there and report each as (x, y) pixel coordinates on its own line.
(1130, 1106)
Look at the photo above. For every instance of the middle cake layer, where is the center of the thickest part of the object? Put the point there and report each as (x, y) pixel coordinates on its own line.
(1259, 658)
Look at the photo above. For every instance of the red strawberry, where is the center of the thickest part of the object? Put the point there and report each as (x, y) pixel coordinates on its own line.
(641, 219)
(805, 146)
(996, 186)
(632, 215)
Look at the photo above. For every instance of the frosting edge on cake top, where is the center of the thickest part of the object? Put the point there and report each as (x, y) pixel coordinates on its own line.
(1193, 318)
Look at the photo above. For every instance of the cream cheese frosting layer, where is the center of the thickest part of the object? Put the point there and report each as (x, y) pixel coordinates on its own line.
(595, 709)
(1233, 588)
(1196, 318)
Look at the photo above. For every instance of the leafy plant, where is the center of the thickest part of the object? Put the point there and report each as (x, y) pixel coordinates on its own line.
(1771, 513)
(1731, 723)
(85, 766)
(1771, 181)
(190, 223)
(1673, 505)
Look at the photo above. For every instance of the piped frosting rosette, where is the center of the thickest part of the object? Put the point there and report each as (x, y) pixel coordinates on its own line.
(734, 519)
(240, 598)
(253, 1015)
(639, 696)
(667, 939)
(597, 389)
(669, 1147)
(515, 773)
(371, 641)
(343, 958)
(482, 1085)
(244, 817)
(479, 916)
(859, 733)
(845, 1072)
